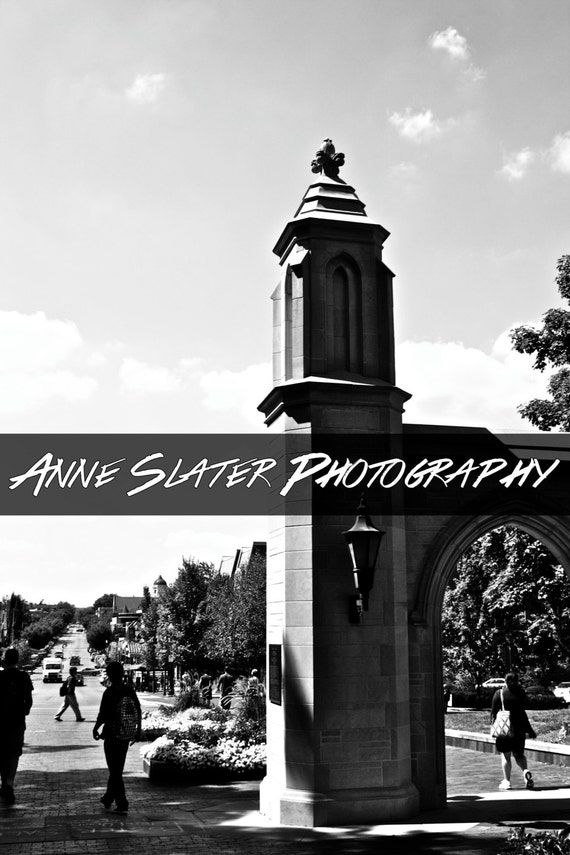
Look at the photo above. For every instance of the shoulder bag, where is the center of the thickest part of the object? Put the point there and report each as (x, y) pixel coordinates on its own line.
(502, 725)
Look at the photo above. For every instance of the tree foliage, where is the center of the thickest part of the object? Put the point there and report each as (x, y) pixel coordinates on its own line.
(99, 635)
(550, 345)
(179, 622)
(16, 616)
(507, 607)
(235, 613)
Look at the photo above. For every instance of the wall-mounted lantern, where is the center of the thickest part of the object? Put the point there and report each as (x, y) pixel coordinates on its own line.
(363, 541)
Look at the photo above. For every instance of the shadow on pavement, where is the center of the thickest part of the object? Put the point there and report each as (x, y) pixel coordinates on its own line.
(45, 749)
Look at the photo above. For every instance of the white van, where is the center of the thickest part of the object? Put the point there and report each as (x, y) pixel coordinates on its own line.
(52, 670)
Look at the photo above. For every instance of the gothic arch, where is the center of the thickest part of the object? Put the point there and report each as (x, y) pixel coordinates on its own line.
(461, 532)
(438, 567)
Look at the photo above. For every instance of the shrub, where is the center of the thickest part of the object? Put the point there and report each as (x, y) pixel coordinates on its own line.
(187, 699)
(198, 739)
(542, 843)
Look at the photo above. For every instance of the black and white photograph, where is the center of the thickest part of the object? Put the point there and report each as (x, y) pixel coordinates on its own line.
(285, 409)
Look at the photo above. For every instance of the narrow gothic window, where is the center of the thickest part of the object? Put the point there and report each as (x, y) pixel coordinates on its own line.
(340, 318)
(344, 311)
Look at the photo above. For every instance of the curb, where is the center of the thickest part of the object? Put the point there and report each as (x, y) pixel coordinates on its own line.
(540, 752)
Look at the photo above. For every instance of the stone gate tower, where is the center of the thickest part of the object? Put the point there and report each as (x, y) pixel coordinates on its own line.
(338, 730)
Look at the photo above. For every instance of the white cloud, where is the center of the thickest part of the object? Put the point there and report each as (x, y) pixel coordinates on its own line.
(238, 390)
(516, 164)
(33, 342)
(209, 541)
(451, 42)
(419, 127)
(140, 378)
(456, 385)
(32, 349)
(455, 46)
(560, 152)
(147, 88)
(22, 393)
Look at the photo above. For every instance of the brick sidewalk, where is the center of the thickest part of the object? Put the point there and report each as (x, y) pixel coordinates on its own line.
(62, 776)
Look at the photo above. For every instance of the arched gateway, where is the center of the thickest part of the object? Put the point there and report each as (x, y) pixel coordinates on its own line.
(355, 719)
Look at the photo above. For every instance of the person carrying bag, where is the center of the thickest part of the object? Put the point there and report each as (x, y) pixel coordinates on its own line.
(509, 727)
(502, 725)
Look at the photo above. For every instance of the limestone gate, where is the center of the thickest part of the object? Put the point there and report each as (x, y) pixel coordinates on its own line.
(355, 708)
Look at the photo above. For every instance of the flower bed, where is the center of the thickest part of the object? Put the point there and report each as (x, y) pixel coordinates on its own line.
(202, 744)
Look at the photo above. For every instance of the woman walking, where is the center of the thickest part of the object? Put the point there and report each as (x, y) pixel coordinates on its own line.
(512, 698)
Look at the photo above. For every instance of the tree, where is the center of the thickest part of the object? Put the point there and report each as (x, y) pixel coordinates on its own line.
(550, 345)
(470, 635)
(103, 602)
(38, 634)
(148, 628)
(508, 607)
(17, 617)
(180, 619)
(64, 611)
(99, 636)
(235, 612)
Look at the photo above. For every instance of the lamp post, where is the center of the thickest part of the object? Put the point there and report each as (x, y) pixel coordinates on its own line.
(363, 540)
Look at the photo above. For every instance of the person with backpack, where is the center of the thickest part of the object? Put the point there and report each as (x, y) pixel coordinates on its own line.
(120, 715)
(67, 692)
(15, 704)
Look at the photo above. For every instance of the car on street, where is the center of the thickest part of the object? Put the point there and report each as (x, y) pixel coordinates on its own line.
(493, 683)
(562, 690)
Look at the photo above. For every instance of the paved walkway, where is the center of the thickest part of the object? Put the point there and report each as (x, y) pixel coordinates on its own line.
(62, 776)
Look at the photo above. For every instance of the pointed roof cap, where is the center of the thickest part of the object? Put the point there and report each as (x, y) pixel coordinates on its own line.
(329, 195)
(160, 581)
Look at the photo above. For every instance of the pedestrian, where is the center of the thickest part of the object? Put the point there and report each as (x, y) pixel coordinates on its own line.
(120, 715)
(253, 694)
(67, 690)
(225, 685)
(15, 704)
(511, 697)
(205, 687)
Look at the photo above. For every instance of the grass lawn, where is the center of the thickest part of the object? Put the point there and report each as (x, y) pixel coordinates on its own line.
(546, 723)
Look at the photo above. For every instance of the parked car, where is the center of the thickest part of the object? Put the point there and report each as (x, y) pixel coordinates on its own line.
(493, 683)
(75, 660)
(562, 690)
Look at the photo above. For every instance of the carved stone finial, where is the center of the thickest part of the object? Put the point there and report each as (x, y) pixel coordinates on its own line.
(328, 161)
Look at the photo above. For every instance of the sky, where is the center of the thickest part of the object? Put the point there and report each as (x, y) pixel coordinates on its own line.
(151, 154)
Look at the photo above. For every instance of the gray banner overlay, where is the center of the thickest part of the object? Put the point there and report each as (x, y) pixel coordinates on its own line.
(425, 470)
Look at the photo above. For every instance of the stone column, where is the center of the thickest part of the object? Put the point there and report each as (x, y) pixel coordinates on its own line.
(339, 739)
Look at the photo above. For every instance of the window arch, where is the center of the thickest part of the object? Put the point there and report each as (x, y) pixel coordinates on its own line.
(343, 339)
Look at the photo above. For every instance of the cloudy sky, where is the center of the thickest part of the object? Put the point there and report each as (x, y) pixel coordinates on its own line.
(152, 152)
